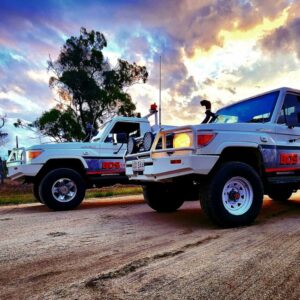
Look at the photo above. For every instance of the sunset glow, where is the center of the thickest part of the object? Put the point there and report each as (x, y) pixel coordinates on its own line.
(214, 49)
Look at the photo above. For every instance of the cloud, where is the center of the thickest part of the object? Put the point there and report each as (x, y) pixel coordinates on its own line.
(26, 137)
(208, 81)
(284, 39)
(186, 87)
(31, 28)
(40, 76)
(8, 106)
(195, 24)
(25, 86)
(198, 59)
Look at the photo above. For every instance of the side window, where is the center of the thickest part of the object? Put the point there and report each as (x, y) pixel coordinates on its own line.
(128, 128)
(290, 112)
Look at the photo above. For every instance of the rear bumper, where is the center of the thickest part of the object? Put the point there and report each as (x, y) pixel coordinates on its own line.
(162, 168)
(21, 171)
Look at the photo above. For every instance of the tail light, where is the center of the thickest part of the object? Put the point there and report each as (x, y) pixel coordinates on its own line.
(203, 139)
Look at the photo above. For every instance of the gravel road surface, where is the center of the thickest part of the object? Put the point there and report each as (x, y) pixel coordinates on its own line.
(119, 248)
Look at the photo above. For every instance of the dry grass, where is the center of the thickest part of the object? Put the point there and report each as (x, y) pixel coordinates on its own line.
(14, 192)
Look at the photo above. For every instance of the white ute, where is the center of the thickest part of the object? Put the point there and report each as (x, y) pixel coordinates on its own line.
(245, 150)
(61, 172)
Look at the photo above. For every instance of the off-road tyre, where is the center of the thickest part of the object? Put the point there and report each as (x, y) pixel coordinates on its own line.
(62, 189)
(280, 193)
(162, 197)
(234, 195)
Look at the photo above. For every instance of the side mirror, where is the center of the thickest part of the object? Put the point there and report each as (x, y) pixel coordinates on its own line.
(291, 125)
(122, 138)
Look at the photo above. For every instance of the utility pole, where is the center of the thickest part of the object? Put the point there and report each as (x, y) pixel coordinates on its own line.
(159, 109)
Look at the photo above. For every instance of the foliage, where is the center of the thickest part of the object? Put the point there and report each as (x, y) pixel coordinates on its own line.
(29, 126)
(61, 125)
(90, 90)
(3, 135)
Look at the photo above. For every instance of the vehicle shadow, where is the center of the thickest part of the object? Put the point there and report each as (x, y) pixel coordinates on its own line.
(186, 218)
(86, 204)
(272, 209)
(189, 215)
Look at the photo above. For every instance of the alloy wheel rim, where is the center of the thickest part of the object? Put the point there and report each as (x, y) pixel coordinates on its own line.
(64, 190)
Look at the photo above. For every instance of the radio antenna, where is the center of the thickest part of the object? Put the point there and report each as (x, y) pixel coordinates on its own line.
(159, 122)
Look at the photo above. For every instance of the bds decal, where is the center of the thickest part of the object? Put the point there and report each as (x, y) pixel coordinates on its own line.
(105, 166)
(111, 165)
(288, 158)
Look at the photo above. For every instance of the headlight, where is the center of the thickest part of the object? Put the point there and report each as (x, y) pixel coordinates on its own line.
(182, 140)
(148, 140)
(32, 154)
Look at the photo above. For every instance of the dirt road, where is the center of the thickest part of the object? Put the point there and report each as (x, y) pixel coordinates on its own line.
(121, 249)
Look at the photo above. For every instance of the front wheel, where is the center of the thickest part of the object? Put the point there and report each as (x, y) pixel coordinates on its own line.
(36, 193)
(234, 196)
(162, 197)
(62, 189)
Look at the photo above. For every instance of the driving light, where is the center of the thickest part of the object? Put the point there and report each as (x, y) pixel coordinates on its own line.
(32, 154)
(131, 145)
(204, 139)
(182, 140)
(148, 140)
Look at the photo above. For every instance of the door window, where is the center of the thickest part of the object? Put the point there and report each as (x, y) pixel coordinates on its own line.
(290, 112)
(130, 129)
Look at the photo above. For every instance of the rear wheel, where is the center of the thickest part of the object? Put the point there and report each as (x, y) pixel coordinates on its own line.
(35, 190)
(162, 197)
(62, 189)
(234, 196)
(280, 192)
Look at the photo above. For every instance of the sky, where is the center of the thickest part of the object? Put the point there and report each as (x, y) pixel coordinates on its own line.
(221, 50)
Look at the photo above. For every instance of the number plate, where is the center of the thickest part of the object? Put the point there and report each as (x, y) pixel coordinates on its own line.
(138, 165)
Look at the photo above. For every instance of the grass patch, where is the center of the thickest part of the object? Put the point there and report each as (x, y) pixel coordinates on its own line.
(12, 192)
(113, 191)
(17, 199)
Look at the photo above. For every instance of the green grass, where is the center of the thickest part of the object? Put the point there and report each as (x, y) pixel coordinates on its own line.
(17, 199)
(117, 191)
(23, 195)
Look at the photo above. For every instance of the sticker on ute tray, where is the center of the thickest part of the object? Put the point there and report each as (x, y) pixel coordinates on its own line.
(138, 165)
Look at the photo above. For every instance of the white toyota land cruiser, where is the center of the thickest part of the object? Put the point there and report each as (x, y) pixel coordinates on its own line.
(246, 150)
(60, 173)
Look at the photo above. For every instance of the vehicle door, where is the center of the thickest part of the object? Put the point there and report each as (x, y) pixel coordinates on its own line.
(114, 145)
(287, 160)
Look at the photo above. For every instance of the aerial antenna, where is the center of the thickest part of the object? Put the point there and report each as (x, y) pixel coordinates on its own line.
(159, 109)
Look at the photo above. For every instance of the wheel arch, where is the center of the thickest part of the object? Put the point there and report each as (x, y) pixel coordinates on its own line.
(51, 164)
(249, 155)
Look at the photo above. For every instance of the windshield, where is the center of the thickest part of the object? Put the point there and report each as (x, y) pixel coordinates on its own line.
(255, 110)
(97, 137)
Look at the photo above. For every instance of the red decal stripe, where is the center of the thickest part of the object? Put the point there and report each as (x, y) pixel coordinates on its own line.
(104, 172)
(270, 170)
